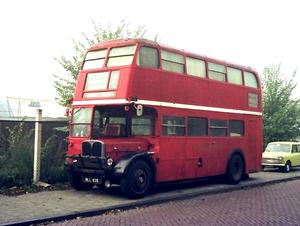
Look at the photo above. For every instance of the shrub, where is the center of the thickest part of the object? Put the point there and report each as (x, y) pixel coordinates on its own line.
(52, 159)
(16, 157)
(16, 164)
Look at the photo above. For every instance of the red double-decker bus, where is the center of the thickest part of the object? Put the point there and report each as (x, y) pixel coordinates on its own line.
(145, 113)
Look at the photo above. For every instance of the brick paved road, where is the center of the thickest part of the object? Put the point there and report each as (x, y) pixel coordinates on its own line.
(277, 204)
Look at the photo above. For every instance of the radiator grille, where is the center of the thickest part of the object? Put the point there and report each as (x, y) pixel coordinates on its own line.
(92, 148)
(270, 160)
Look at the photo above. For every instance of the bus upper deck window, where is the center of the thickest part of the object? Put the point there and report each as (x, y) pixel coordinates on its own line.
(217, 72)
(173, 62)
(250, 80)
(94, 59)
(121, 56)
(235, 76)
(195, 67)
(148, 57)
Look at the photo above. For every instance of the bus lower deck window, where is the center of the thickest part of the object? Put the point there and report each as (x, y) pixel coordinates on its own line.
(173, 126)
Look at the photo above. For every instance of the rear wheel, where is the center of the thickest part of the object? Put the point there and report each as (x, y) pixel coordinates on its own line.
(76, 182)
(138, 180)
(235, 169)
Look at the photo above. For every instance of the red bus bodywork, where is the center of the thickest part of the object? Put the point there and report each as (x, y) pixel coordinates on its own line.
(167, 95)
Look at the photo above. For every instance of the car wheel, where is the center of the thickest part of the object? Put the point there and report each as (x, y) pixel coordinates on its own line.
(287, 167)
(76, 182)
(235, 169)
(138, 180)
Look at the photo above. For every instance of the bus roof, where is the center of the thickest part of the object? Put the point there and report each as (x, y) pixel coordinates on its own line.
(132, 41)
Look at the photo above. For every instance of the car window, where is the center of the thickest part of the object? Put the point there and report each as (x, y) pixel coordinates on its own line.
(278, 147)
(294, 148)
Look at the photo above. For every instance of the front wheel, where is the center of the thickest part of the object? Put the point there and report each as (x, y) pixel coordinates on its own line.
(235, 169)
(138, 180)
(287, 167)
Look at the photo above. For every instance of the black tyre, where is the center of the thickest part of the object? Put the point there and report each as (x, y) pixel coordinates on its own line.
(246, 177)
(287, 167)
(76, 182)
(235, 169)
(138, 180)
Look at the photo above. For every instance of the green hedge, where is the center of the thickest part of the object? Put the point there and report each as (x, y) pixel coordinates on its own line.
(16, 157)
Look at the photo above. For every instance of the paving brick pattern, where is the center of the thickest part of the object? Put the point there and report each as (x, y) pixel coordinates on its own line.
(57, 203)
(276, 204)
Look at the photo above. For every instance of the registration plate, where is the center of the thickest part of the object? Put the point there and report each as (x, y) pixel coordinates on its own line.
(93, 180)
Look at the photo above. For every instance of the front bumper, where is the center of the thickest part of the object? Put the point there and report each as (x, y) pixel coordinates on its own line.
(272, 162)
(87, 165)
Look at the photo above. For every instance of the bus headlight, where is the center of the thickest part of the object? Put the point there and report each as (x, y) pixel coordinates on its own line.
(109, 162)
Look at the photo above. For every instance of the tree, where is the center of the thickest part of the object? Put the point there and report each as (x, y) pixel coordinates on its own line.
(65, 84)
(281, 112)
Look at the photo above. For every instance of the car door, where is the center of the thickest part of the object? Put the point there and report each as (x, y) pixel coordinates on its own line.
(296, 155)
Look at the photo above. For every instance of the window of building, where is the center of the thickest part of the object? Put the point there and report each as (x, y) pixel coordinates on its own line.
(173, 126)
(236, 128)
(218, 127)
(252, 100)
(195, 67)
(217, 72)
(142, 126)
(197, 126)
(94, 59)
(250, 80)
(148, 57)
(172, 62)
(235, 76)
(121, 56)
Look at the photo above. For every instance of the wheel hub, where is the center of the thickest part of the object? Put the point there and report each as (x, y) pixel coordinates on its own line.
(141, 180)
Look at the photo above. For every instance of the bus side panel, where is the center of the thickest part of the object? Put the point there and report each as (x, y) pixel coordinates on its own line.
(176, 88)
(171, 159)
(145, 84)
(254, 135)
(198, 157)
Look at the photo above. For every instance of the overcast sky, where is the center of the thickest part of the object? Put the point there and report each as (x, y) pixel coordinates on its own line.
(255, 33)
